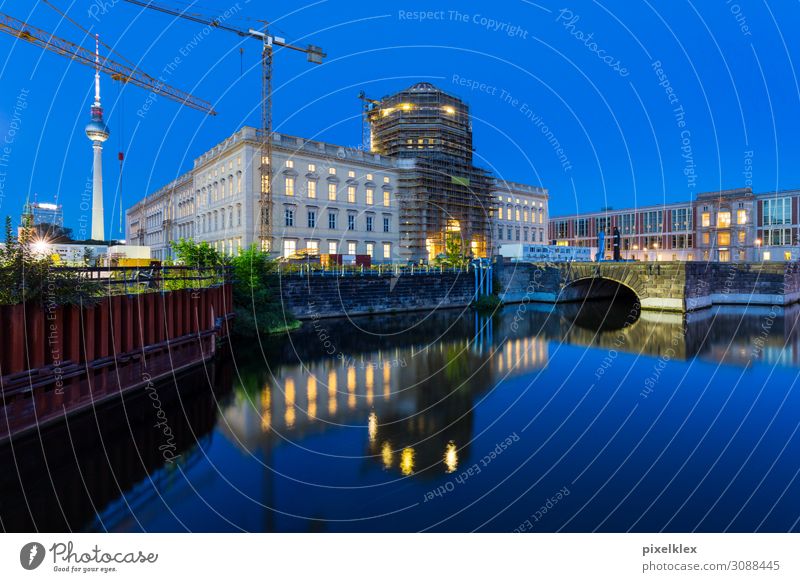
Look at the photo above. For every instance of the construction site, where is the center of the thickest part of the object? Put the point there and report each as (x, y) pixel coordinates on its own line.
(445, 201)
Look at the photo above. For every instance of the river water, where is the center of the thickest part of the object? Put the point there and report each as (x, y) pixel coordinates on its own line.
(541, 418)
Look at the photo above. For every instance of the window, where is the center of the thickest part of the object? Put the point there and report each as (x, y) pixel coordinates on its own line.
(386, 198)
(332, 220)
(787, 255)
(541, 216)
(312, 188)
(386, 223)
(312, 219)
(681, 219)
(742, 236)
(777, 211)
(288, 216)
(525, 213)
(289, 247)
(705, 219)
(289, 163)
(289, 186)
(239, 182)
(516, 214)
(351, 174)
(508, 232)
(706, 238)
(517, 233)
(386, 179)
(724, 239)
(371, 249)
(741, 216)
(312, 167)
(351, 194)
(369, 177)
(331, 191)
(500, 213)
(313, 245)
(370, 196)
(369, 223)
(778, 237)
(582, 227)
(387, 250)
(351, 248)
(603, 223)
(724, 219)
(351, 222)
(767, 255)
(652, 221)
(332, 247)
(500, 233)
(332, 171)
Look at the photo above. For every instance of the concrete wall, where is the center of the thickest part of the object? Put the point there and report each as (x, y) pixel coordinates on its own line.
(330, 296)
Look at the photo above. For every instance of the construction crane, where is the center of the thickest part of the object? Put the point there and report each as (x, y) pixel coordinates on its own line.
(366, 140)
(314, 55)
(117, 71)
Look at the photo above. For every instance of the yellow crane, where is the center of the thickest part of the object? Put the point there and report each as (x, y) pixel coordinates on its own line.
(314, 55)
(117, 71)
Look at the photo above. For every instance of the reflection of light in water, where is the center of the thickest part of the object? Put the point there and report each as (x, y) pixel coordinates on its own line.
(369, 380)
(372, 425)
(387, 456)
(450, 457)
(311, 389)
(407, 461)
(289, 396)
(332, 393)
(351, 387)
(266, 413)
(387, 376)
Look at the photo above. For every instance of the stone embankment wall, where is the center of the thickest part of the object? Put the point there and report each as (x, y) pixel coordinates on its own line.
(331, 296)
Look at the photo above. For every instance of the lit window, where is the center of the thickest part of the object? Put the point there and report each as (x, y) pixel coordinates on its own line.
(289, 164)
(289, 247)
(705, 219)
(289, 186)
(331, 191)
(767, 255)
(351, 248)
(386, 198)
(332, 220)
(787, 255)
(351, 194)
(312, 167)
(742, 236)
(332, 171)
(386, 179)
(369, 177)
(371, 249)
(370, 196)
(724, 239)
(723, 219)
(706, 238)
(332, 248)
(313, 245)
(387, 250)
(741, 216)
(351, 174)
(516, 214)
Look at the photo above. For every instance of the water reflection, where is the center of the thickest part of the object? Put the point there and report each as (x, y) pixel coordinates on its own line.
(314, 438)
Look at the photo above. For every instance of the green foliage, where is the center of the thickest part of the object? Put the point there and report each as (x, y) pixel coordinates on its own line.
(29, 277)
(487, 303)
(199, 255)
(454, 255)
(256, 295)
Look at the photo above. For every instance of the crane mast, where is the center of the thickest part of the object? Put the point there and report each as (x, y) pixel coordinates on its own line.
(314, 55)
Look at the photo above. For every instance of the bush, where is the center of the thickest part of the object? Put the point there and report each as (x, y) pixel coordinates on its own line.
(487, 303)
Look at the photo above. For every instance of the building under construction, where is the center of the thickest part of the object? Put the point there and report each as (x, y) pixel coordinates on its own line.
(444, 199)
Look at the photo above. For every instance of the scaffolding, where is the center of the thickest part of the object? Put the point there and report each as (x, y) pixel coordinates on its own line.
(443, 197)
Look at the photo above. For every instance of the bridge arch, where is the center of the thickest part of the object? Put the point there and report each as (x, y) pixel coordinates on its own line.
(599, 287)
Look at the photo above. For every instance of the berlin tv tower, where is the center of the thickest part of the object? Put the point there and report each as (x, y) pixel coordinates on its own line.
(97, 131)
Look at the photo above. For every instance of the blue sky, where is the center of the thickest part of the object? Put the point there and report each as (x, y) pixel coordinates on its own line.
(648, 101)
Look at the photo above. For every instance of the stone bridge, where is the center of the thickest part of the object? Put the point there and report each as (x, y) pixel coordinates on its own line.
(670, 286)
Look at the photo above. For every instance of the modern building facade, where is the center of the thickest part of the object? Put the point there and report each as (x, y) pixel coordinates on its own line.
(730, 225)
